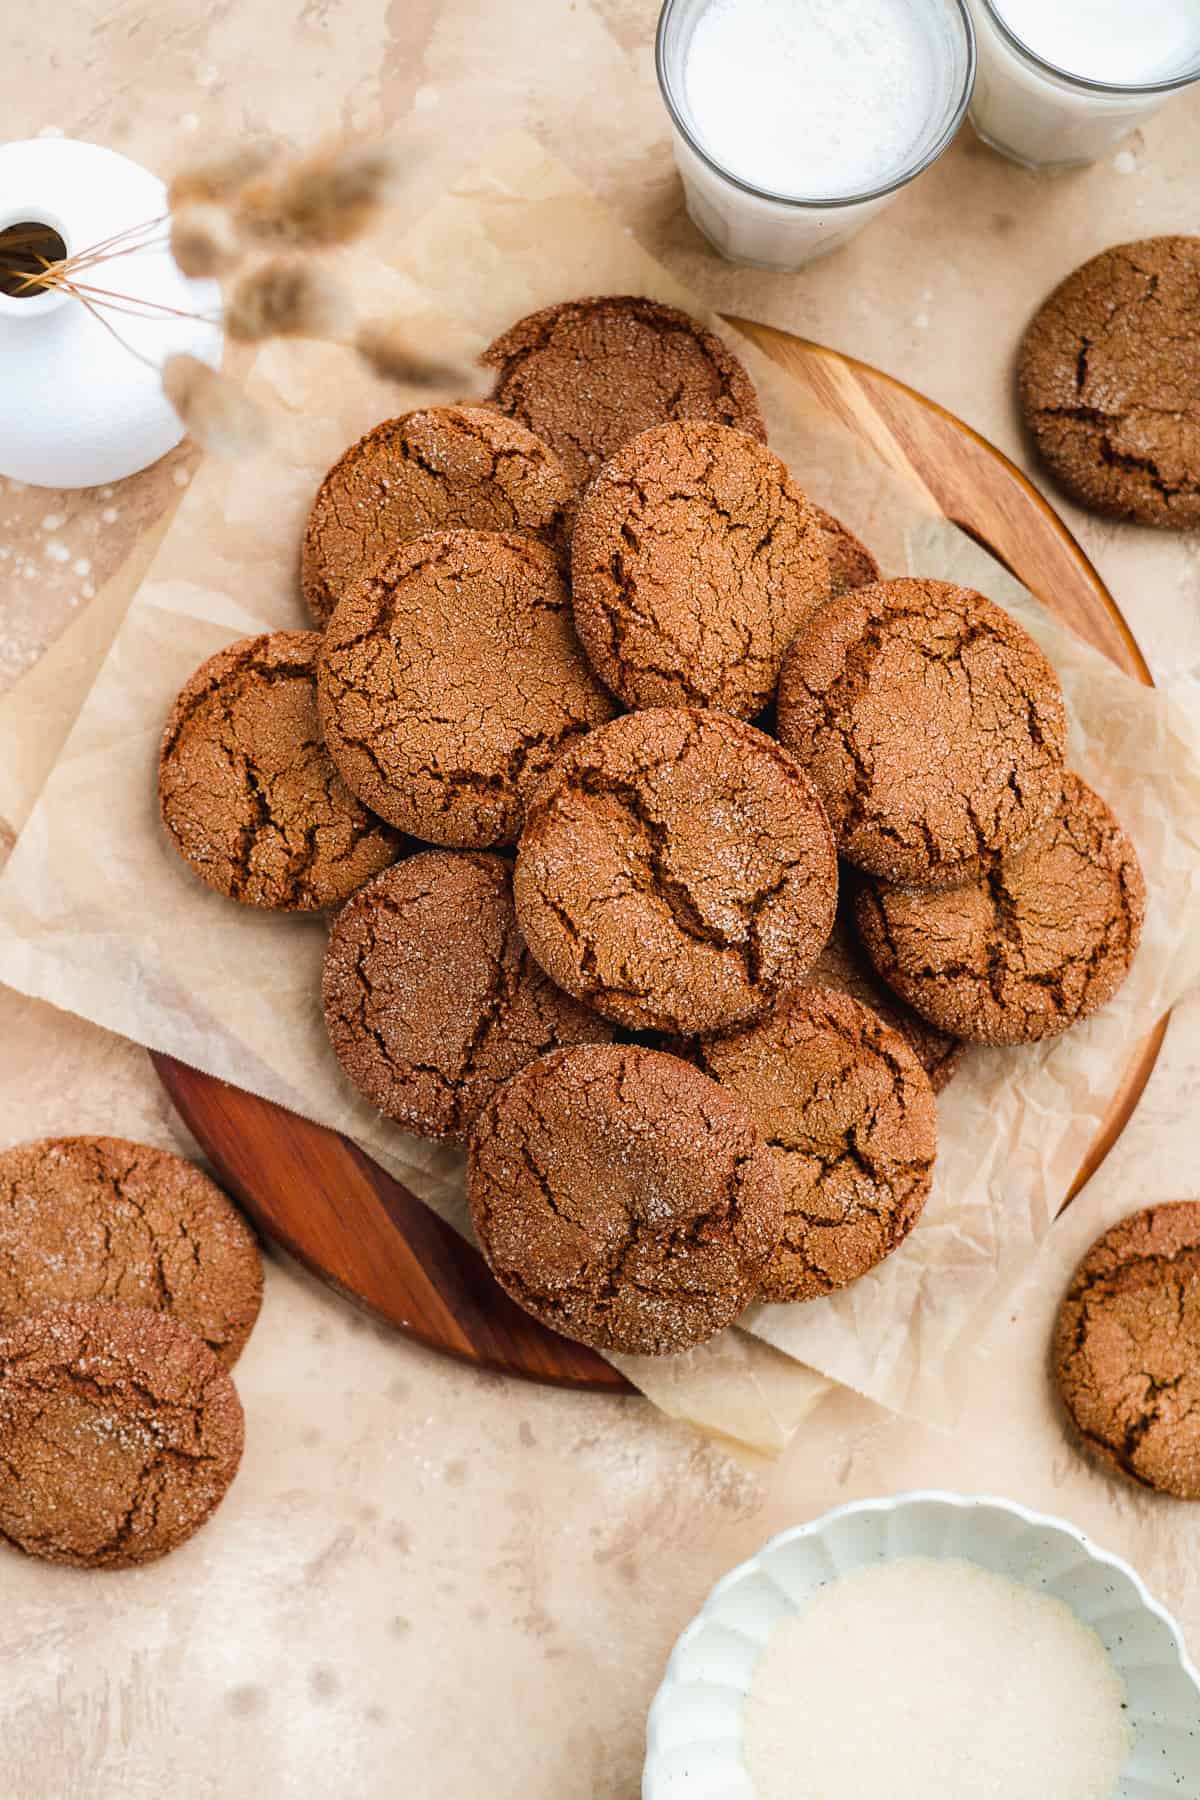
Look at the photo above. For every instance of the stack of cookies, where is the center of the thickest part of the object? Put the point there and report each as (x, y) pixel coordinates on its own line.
(595, 701)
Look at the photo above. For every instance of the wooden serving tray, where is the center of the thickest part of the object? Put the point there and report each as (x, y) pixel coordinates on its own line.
(322, 1199)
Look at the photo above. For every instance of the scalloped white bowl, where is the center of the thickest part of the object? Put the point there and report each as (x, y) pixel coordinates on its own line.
(694, 1733)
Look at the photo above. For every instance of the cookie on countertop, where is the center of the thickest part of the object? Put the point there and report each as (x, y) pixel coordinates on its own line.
(695, 558)
(844, 965)
(451, 679)
(1126, 1350)
(676, 871)
(431, 997)
(623, 1198)
(851, 1122)
(1109, 382)
(106, 1220)
(851, 564)
(1027, 950)
(588, 375)
(247, 792)
(931, 724)
(431, 470)
(121, 1434)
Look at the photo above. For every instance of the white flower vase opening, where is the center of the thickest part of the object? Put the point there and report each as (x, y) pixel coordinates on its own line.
(81, 399)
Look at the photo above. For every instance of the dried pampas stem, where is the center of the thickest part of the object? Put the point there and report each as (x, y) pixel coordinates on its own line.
(204, 239)
(327, 199)
(216, 412)
(220, 178)
(385, 346)
(288, 297)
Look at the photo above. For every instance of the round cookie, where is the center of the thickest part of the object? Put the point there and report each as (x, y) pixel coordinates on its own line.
(121, 1434)
(102, 1219)
(695, 558)
(431, 470)
(1027, 950)
(851, 564)
(931, 724)
(247, 792)
(623, 1198)
(1109, 382)
(843, 965)
(851, 1121)
(451, 679)
(1126, 1352)
(588, 375)
(431, 997)
(676, 871)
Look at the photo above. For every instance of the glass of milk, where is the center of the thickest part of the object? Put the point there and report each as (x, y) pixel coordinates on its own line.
(1061, 81)
(795, 121)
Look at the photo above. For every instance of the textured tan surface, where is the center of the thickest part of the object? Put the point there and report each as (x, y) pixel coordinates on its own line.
(442, 1572)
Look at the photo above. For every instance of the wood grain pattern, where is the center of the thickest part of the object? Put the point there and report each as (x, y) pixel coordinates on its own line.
(319, 1197)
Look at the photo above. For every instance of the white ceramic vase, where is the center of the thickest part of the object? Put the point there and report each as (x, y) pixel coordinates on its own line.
(76, 406)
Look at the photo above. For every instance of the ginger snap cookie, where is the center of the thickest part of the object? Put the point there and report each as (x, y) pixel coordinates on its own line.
(103, 1219)
(449, 681)
(247, 792)
(623, 1198)
(431, 997)
(931, 724)
(121, 1433)
(851, 564)
(1126, 1350)
(1029, 948)
(695, 558)
(844, 965)
(588, 375)
(676, 871)
(851, 1122)
(432, 470)
(1109, 382)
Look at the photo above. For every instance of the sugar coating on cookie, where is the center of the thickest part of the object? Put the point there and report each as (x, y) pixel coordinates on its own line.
(623, 1198)
(1109, 382)
(676, 871)
(431, 470)
(931, 724)
(588, 375)
(1026, 950)
(844, 965)
(695, 558)
(851, 564)
(451, 679)
(247, 792)
(851, 1121)
(1126, 1349)
(107, 1220)
(431, 997)
(121, 1434)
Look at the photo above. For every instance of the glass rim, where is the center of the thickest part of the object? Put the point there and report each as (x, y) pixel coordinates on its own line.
(1088, 83)
(833, 201)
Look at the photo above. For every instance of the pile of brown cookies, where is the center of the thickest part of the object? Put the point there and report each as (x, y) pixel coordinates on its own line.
(546, 625)
(129, 1285)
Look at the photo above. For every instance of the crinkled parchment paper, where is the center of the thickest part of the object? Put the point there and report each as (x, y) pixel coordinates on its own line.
(97, 914)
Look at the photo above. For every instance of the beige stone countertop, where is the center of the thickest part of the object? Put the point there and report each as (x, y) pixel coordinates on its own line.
(426, 1582)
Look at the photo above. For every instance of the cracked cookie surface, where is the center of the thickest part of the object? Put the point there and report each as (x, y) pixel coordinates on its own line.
(247, 792)
(1027, 949)
(431, 996)
(451, 679)
(676, 871)
(931, 724)
(1126, 1350)
(844, 965)
(851, 564)
(695, 558)
(623, 1198)
(1109, 382)
(851, 1122)
(588, 375)
(120, 1432)
(431, 470)
(106, 1220)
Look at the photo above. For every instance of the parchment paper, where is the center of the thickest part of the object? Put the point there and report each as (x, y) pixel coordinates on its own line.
(98, 915)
